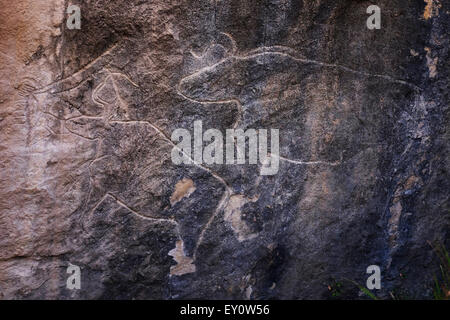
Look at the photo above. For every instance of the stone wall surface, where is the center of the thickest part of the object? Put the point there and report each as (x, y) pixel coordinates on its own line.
(86, 118)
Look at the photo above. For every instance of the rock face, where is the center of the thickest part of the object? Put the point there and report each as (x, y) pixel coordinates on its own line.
(87, 178)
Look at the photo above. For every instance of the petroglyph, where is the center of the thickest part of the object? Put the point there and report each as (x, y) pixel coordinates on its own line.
(226, 77)
(214, 64)
(77, 78)
(108, 96)
(87, 175)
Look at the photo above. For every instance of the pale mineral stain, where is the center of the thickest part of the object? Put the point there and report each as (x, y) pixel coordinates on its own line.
(248, 292)
(233, 216)
(414, 52)
(183, 189)
(431, 63)
(184, 264)
(394, 221)
(431, 9)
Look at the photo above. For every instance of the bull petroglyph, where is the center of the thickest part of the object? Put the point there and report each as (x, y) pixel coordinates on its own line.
(212, 83)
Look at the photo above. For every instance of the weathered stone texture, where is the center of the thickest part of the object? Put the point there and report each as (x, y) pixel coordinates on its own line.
(87, 178)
